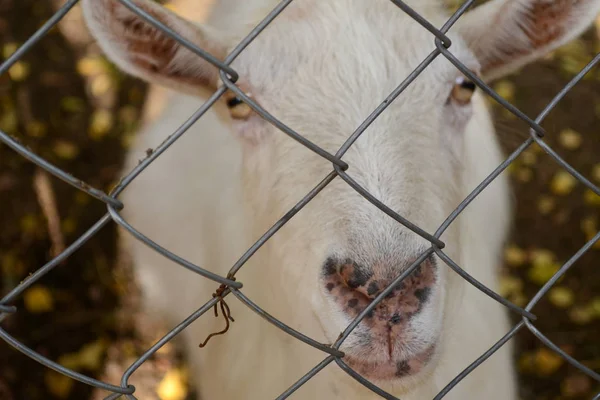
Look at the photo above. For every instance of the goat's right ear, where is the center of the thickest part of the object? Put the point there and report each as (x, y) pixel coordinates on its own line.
(142, 50)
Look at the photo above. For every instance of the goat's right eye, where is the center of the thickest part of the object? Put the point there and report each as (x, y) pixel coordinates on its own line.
(237, 108)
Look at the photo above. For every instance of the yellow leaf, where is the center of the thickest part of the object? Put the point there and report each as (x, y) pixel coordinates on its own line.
(514, 256)
(589, 225)
(547, 362)
(101, 123)
(595, 307)
(36, 129)
(58, 384)
(596, 172)
(542, 257)
(527, 363)
(38, 299)
(506, 90)
(529, 157)
(581, 315)
(11, 264)
(172, 386)
(591, 198)
(128, 349)
(72, 104)
(519, 299)
(82, 198)
(541, 273)
(524, 175)
(510, 285)
(29, 223)
(546, 204)
(561, 297)
(90, 355)
(562, 183)
(19, 71)
(70, 361)
(68, 225)
(570, 139)
(101, 85)
(9, 121)
(90, 66)
(66, 150)
(8, 49)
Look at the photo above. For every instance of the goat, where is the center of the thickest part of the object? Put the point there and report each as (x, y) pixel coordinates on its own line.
(322, 67)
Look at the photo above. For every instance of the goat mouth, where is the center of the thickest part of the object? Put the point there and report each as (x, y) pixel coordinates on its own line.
(392, 369)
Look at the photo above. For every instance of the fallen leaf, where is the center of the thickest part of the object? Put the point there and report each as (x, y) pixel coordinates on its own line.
(562, 183)
(595, 307)
(570, 139)
(66, 150)
(514, 256)
(591, 198)
(101, 123)
(506, 90)
(58, 384)
(547, 362)
(546, 204)
(529, 157)
(38, 299)
(172, 386)
(510, 285)
(19, 71)
(596, 172)
(581, 315)
(561, 297)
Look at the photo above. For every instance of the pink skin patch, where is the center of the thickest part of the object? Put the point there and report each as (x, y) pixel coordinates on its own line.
(385, 330)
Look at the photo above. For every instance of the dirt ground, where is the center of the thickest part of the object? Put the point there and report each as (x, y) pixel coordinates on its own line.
(74, 109)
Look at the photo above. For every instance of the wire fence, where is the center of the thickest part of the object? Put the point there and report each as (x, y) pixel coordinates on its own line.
(228, 284)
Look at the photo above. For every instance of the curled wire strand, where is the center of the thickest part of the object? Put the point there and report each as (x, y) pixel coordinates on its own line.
(225, 311)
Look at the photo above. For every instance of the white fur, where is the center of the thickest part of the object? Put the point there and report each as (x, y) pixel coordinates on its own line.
(321, 67)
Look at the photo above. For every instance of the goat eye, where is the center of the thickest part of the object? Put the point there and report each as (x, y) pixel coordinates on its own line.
(237, 108)
(463, 91)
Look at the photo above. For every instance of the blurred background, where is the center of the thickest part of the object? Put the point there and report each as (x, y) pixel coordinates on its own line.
(69, 105)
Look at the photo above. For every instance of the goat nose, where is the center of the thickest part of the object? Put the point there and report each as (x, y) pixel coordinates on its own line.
(353, 287)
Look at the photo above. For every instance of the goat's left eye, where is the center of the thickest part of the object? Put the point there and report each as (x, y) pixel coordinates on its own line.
(237, 108)
(463, 90)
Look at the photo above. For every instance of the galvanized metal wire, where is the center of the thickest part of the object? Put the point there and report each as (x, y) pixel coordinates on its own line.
(443, 47)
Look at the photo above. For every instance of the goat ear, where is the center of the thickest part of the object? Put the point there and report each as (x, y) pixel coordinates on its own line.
(144, 51)
(508, 34)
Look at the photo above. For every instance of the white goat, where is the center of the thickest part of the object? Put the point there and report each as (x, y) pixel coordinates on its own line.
(322, 67)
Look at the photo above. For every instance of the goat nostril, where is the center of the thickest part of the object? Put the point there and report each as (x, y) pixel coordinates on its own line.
(330, 267)
(423, 294)
(373, 288)
(352, 303)
(396, 319)
(354, 275)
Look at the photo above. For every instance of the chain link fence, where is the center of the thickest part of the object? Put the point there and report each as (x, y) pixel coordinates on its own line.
(228, 284)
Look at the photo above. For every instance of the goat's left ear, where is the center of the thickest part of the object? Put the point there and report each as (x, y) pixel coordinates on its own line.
(508, 34)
